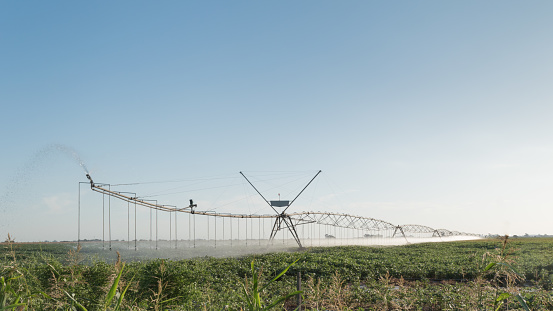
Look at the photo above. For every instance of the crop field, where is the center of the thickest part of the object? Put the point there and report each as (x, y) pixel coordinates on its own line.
(493, 274)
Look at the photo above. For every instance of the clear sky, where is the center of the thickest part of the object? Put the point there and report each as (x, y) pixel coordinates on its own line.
(428, 112)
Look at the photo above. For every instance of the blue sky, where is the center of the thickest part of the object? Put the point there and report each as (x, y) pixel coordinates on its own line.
(428, 112)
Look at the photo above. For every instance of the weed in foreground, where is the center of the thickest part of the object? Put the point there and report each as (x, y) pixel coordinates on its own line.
(109, 302)
(252, 292)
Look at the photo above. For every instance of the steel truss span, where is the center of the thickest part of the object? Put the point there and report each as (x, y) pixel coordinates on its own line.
(341, 220)
(319, 225)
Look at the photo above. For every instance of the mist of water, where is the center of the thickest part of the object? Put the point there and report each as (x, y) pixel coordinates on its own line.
(69, 152)
(30, 169)
(185, 249)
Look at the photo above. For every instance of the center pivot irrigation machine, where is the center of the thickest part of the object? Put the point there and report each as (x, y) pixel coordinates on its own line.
(349, 228)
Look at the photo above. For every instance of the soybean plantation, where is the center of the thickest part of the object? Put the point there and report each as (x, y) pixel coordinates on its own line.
(491, 274)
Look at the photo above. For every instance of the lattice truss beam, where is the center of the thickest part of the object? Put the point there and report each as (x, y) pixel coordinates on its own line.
(420, 229)
(289, 220)
(341, 220)
(299, 218)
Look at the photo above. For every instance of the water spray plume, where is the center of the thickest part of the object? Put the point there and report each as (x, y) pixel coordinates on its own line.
(28, 172)
(72, 153)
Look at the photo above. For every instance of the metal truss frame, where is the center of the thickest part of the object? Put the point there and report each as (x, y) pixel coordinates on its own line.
(288, 221)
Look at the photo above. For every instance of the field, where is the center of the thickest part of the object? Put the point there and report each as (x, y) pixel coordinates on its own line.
(473, 275)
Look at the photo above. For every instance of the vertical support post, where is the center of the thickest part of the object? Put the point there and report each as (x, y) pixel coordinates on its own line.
(298, 284)
(303, 232)
(128, 225)
(284, 233)
(215, 221)
(103, 221)
(156, 228)
(135, 226)
(109, 217)
(319, 234)
(79, 219)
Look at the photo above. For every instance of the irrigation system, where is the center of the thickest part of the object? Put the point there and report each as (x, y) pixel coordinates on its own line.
(304, 228)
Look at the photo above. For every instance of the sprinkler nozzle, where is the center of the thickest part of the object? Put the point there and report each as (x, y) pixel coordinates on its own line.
(90, 178)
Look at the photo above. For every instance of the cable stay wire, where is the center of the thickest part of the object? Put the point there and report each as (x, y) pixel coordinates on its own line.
(164, 192)
(229, 203)
(219, 197)
(244, 186)
(176, 180)
(266, 190)
(316, 187)
(258, 173)
(191, 190)
(258, 179)
(297, 189)
(161, 192)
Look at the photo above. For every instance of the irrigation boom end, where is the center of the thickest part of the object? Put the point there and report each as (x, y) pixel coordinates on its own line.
(90, 178)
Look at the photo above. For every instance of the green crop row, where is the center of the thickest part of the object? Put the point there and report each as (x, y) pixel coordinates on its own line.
(432, 276)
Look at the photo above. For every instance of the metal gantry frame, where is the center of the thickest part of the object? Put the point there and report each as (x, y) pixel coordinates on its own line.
(282, 220)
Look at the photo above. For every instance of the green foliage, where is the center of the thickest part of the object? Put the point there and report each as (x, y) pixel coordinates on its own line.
(472, 275)
(9, 298)
(108, 303)
(96, 277)
(163, 281)
(252, 297)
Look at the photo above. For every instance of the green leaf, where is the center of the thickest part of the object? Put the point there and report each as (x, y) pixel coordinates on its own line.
(113, 289)
(489, 266)
(503, 296)
(281, 299)
(256, 299)
(522, 302)
(499, 300)
(45, 295)
(246, 297)
(253, 299)
(280, 274)
(12, 306)
(75, 301)
(120, 300)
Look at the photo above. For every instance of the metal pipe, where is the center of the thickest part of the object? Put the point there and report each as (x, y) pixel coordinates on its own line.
(109, 217)
(103, 222)
(135, 226)
(128, 225)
